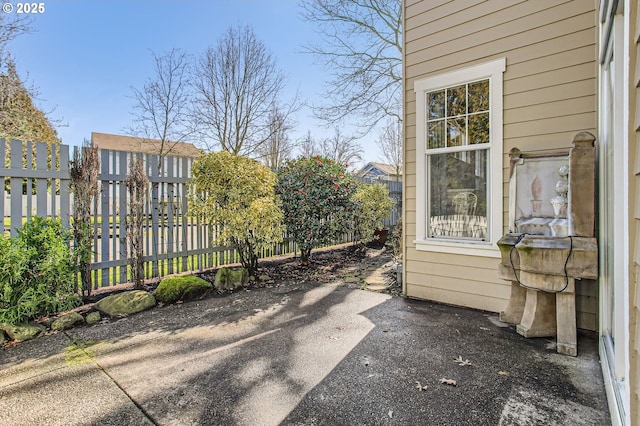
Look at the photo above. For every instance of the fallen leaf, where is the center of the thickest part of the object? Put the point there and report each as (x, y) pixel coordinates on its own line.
(420, 387)
(462, 362)
(449, 382)
(504, 373)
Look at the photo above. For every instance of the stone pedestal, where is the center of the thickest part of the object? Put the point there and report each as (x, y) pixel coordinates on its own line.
(515, 308)
(567, 340)
(539, 317)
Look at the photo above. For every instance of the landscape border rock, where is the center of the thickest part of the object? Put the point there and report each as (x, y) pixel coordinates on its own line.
(230, 279)
(126, 303)
(185, 288)
(24, 331)
(67, 321)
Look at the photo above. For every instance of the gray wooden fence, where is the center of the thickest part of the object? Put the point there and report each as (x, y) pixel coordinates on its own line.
(36, 177)
(395, 192)
(41, 173)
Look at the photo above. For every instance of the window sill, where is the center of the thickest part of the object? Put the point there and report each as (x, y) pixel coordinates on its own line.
(482, 249)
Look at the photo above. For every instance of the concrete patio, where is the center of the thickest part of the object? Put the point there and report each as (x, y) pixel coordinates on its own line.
(301, 354)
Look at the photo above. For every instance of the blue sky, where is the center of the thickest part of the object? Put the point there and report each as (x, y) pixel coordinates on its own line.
(85, 55)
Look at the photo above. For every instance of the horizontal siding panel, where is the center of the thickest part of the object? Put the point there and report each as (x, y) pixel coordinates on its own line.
(565, 43)
(453, 259)
(541, 142)
(410, 181)
(586, 303)
(587, 321)
(567, 123)
(551, 109)
(445, 23)
(410, 204)
(496, 21)
(432, 11)
(554, 78)
(484, 302)
(551, 94)
(582, 55)
(496, 40)
(409, 225)
(499, 290)
(460, 271)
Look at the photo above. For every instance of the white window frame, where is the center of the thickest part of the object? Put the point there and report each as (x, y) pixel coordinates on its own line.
(494, 72)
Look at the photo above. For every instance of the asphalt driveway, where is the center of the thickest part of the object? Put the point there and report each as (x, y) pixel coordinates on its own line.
(301, 354)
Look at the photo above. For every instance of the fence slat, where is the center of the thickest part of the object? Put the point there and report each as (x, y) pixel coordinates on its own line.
(123, 206)
(153, 173)
(104, 213)
(16, 188)
(65, 197)
(41, 184)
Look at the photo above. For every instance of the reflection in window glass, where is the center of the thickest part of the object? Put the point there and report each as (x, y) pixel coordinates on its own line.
(458, 195)
(479, 128)
(435, 134)
(456, 101)
(479, 96)
(458, 116)
(436, 105)
(456, 132)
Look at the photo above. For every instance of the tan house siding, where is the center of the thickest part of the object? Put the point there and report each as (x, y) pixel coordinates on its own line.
(634, 203)
(550, 88)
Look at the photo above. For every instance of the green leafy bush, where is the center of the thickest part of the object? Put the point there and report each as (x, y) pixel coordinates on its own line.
(172, 289)
(236, 194)
(372, 204)
(316, 200)
(37, 272)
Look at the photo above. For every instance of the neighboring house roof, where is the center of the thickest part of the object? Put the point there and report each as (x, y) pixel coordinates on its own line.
(373, 169)
(146, 146)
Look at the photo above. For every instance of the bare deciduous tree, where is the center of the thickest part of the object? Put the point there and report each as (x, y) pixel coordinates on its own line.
(340, 148)
(308, 146)
(390, 143)
(161, 109)
(10, 28)
(279, 146)
(361, 43)
(236, 85)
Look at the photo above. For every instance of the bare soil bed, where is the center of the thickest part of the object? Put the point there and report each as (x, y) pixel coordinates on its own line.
(368, 269)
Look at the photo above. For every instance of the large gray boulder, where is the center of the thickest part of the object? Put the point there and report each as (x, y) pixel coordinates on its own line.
(126, 303)
(231, 279)
(67, 321)
(24, 331)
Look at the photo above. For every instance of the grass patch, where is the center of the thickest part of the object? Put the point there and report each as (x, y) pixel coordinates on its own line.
(78, 352)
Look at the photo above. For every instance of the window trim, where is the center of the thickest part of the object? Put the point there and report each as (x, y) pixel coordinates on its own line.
(492, 70)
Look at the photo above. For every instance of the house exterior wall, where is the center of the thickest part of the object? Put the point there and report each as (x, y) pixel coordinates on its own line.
(634, 203)
(549, 95)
